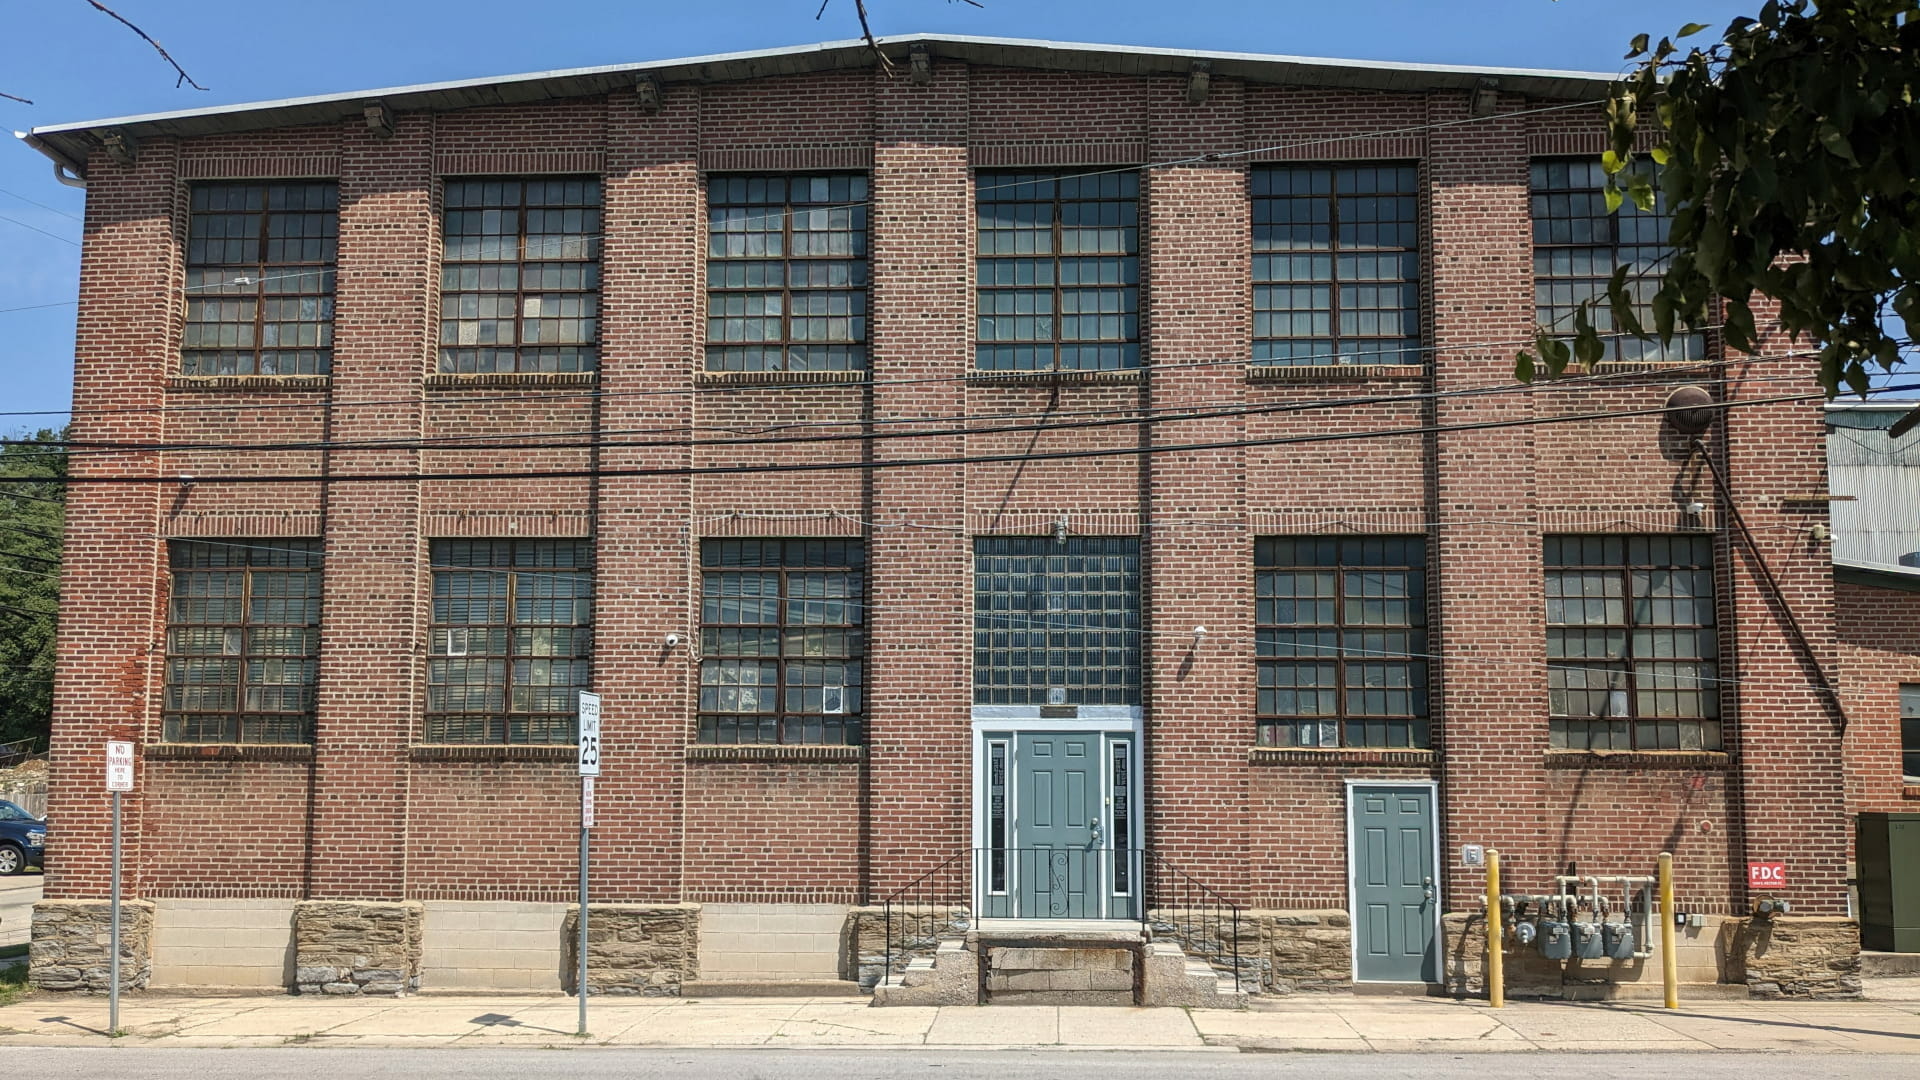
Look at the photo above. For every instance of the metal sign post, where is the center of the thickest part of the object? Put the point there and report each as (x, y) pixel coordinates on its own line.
(119, 780)
(589, 768)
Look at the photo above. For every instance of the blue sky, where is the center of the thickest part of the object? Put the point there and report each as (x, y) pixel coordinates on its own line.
(78, 65)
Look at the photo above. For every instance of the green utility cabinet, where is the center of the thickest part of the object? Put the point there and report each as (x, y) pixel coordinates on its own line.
(1886, 856)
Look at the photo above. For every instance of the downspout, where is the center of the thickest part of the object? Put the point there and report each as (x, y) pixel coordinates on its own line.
(66, 170)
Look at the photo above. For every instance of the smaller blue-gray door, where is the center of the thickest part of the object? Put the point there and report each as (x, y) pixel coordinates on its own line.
(1057, 826)
(1395, 893)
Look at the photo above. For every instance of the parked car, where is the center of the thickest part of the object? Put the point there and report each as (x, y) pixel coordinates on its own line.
(23, 839)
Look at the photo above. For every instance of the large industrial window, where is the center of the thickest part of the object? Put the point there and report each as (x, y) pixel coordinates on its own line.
(511, 644)
(243, 634)
(1910, 732)
(1056, 622)
(260, 279)
(1340, 635)
(1336, 265)
(1577, 243)
(1059, 271)
(782, 636)
(520, 275)
(1631, 645)
(787, 273)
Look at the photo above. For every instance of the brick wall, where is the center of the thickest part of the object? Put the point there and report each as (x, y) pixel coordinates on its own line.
(374, 818)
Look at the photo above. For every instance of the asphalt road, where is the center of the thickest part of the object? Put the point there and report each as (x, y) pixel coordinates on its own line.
(18, 894)
(153, 1063)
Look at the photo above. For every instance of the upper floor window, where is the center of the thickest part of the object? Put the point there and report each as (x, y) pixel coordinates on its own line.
(511, 643)
(1059, 271)
(243, 638)
(1631, 645)
(787, 273)
(1577, 243)
(782, 636)
(260, 267)
(520, 276)
(1336, 265)
(1340, 635)
(1056, 622)
(1910, 732)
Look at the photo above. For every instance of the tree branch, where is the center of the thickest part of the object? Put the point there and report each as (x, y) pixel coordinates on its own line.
(122, 20)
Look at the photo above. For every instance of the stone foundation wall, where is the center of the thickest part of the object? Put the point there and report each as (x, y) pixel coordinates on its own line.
(1295, 951)
(73, 945)
(356, 947)
(644, 949)
(1816, 958)
(916, 932)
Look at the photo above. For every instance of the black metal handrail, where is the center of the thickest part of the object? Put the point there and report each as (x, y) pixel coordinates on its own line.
(1181, 906)
(1134, 884)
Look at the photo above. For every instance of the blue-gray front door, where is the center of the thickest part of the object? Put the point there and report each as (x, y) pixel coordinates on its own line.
(1395, 894)
(1056, 832)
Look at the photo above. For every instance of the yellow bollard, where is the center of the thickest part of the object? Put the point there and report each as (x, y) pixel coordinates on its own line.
(1669, 962)
(1496, 967)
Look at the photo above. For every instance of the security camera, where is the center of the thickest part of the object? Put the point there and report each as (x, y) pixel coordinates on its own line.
(673, 640)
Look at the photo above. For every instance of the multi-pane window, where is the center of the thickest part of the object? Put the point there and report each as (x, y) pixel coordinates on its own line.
(787, 273)
(511, 643)
(260, 279)
(1059, 271)
(243, 635)
(1340, 635)
(1336, 265)
(782, 634)
(1631, 645)
(520, 275)
(1577, 243)
(1056, 622)
(1910, 732)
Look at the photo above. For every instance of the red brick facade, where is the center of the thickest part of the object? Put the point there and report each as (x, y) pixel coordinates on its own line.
(371, 814)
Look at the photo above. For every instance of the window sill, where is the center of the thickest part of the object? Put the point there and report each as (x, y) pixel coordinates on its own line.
(1637, 759)
(764, 752)
(1121, 377)
(228, 752)
(565, 752)
(1910, 791)
(1295, 755)
(249, 382)
(778, 378)
(1259, 373)
(519, 380)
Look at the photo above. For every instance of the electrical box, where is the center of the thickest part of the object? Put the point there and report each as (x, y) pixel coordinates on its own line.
(1555, 941)
(1617, 939)
(1887, 861)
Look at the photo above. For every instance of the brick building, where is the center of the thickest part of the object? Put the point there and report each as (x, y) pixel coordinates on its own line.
(873, 438)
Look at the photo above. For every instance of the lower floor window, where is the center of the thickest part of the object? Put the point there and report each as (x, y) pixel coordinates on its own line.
(1910, 732)
(243, 641)
(512, 640)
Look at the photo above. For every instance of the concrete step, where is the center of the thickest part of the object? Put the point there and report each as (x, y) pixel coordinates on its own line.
(1888, 964)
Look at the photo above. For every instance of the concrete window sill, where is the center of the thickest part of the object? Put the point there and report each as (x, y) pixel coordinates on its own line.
(712, 752)
(228, 752)
(1637, 759)
(249, 383)
(777, 378)
(1294, 755)
(1260, 373)
(1122, 377)
(566, 752)
(519, 380)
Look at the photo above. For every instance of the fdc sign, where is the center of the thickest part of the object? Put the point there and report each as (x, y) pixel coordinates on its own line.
(1766, 875)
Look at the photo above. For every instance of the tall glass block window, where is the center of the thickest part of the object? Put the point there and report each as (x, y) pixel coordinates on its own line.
(511, 644)
(520, 275)
(1577, 244)
(1340, 637)
(1059, 271)
(1631, 644)
(1336, 265)
(243, 639)
(1056, 623)
(1910, 732)
(787, 273)
(260, 275)
(782, 641)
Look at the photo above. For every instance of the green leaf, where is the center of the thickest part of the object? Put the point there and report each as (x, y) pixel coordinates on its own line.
(1611, 162)
(1558, 355)
(1690, 29)
(1660, 155)
(1640, 190)
(1614, 196)
(1637, 46)
(1523, 366)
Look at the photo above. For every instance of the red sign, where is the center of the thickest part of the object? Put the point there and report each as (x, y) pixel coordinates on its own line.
(1765, 876)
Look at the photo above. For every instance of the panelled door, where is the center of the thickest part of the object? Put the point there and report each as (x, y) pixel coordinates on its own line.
(1395, 894)
(1057, 831)
(1058, 817)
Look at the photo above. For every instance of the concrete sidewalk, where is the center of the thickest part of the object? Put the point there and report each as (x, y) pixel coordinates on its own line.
(1307, 1023)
